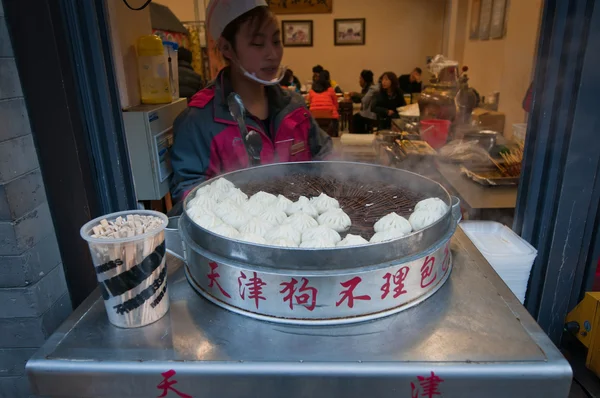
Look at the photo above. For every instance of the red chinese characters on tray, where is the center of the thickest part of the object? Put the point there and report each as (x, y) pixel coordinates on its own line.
(303, 292)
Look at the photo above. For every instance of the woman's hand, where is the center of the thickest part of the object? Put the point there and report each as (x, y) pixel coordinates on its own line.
(391, 112)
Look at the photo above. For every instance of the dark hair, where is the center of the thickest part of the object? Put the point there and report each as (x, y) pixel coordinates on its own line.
(418, 70)
(395, 83)
(183, 54)
(323, 83)
(287, 76)
(256, 17)
(367, 76)
(317, 69)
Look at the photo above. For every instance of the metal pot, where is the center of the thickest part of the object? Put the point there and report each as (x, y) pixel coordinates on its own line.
(322, 286)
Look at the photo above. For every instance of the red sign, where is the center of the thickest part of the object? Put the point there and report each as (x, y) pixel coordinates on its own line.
(213, 276)
(428, 386)
(398, 280)
(348, 294)
(427, 274)
(307, 298)
(167, 385)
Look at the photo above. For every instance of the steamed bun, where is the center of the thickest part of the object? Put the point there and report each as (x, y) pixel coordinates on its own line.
(283, 203)
(302, 221)
(302, 205)
(322, 232)
(237, 196)
(226, 230)
(285, 231)
(336, 219)
(273, 215)
(257, 226)
(384, 236)
(423, 218)
(206, 219)
(435, 205)
(323, 203)
(236, 218)
(393, 221)
(352, 240)
(222, 185)
(263, 197)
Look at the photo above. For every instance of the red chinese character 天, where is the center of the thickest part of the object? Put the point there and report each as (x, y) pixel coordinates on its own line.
(428, 386)
(167, 385)
(213, 276)
(308, 298)
(349, 293)
(446, 262)
(427, 271)
(398, 280)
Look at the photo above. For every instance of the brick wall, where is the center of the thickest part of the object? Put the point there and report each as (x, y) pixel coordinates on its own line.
(33, 291)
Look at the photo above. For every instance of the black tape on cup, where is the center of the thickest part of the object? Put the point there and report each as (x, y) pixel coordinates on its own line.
(131, 278)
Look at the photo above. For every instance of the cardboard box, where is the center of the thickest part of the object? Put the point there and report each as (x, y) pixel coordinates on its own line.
(489, 120)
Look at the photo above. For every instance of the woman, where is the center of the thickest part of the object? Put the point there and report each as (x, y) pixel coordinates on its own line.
(322, 98)
(190, 82)
(208, 141)
(387, 100)
(362, 121)
(290, 81)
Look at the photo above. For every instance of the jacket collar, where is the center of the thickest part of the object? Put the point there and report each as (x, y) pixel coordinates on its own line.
(278, 99)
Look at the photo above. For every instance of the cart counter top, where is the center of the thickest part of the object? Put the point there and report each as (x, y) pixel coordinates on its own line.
(470, 339)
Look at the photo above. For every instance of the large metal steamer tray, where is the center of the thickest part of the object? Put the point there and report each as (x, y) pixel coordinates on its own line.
(323, 286)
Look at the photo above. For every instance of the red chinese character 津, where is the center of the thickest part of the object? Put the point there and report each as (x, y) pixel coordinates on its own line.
(308, 298)
(428, 386)
(213, 276)
(167, 385)
(254, 284)
(427, 271)
(348, 294)
(398, 280)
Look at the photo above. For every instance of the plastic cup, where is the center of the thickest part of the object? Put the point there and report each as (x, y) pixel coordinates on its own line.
(131, 272)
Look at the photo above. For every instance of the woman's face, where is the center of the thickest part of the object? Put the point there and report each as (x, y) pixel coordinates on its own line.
(385, 82)
(260, 51)
(362, 82)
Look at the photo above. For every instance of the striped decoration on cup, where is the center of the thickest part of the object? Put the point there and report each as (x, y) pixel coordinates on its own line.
(131, 272)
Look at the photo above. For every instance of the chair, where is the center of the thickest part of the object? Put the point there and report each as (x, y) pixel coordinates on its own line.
(329, 124)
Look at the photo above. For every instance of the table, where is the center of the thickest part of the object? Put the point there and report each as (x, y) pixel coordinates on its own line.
(470, 339)
(477, 196)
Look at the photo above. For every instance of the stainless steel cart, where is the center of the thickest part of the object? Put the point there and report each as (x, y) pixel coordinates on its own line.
(472, 338)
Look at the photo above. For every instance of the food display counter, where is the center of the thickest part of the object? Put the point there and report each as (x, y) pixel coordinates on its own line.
(471, 338)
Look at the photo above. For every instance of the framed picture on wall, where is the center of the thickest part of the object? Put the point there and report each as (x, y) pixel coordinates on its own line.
(349, 32)
(485, 19)
(297, 33)
(498, 16)
(474, 23)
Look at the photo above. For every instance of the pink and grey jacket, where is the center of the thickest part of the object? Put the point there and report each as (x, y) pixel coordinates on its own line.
(208, 140)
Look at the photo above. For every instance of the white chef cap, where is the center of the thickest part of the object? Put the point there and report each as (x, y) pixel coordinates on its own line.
(220, 13)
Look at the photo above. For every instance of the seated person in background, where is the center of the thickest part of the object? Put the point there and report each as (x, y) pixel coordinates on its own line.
(290, 81)
(190, 82)
(322, 98)
(316, 73)
(410, 84)
(361, 122)
(387, 100)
